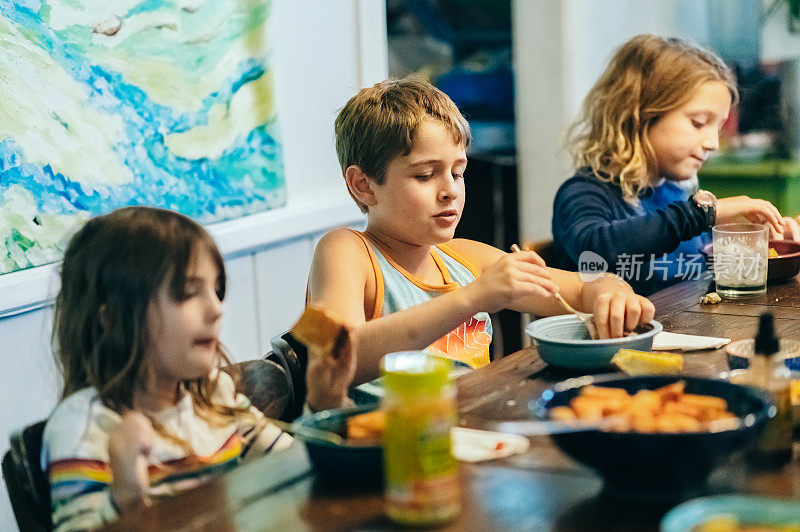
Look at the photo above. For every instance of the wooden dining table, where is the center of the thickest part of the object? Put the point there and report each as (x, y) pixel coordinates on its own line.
(541, 489)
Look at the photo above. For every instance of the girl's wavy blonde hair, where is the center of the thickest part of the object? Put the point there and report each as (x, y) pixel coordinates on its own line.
(646, 78)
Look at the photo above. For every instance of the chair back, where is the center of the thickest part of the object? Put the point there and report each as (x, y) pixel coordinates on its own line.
(267, 385)
(264, 381)
(292, 356)
(26, 483)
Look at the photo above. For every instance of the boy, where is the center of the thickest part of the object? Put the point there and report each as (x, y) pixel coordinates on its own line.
(405, 283)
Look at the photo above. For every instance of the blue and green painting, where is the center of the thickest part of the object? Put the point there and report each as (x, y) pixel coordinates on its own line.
(107, 103)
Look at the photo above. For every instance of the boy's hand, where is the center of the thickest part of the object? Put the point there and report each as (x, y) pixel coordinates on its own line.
(129, 447)
(513, 278)
(329, 376)
(616, 308)
(754, 210)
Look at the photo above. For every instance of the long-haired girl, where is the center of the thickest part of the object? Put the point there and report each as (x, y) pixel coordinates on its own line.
(648, 125)
(149, 403)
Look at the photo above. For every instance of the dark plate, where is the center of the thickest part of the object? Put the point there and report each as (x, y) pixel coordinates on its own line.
(659, 464)
(349, 463)
(787, 264)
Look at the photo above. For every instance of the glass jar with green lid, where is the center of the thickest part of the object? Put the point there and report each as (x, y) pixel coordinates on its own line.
(422, 486)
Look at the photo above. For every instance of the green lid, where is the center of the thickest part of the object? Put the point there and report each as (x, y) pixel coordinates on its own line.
(412, 372)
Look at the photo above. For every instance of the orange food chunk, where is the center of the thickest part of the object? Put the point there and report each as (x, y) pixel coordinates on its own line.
(367, 426)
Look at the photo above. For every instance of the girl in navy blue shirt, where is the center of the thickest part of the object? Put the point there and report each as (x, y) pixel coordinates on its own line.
(648, 125)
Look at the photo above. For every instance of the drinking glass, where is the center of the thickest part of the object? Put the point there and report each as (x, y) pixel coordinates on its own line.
(740, 259)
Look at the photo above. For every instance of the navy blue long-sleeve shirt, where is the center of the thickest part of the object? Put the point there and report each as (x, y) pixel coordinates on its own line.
(651, 245)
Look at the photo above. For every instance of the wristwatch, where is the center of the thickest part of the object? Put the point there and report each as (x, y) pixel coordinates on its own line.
(708, 204)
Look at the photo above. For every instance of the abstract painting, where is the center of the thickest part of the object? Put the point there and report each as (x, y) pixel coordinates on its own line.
(107, 103)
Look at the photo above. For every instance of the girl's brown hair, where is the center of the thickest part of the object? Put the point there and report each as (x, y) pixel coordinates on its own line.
(378, 124)
(113, 267)
(647, 77)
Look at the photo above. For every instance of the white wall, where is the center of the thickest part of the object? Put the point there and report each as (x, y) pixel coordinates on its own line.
(323, 52)
(776, 41)
(560, 48)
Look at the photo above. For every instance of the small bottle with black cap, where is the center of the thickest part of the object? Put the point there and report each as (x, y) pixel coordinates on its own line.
(768, 371)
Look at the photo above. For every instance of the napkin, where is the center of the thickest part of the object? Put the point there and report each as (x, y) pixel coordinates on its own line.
(471, 445)
(686, 342)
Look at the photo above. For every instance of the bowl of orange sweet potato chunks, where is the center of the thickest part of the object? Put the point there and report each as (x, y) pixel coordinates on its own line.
(653, 436)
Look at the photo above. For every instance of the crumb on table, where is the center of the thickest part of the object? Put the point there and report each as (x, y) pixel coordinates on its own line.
(712, 298)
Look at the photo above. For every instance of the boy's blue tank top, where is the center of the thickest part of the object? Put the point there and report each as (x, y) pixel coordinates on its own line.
(400, 290)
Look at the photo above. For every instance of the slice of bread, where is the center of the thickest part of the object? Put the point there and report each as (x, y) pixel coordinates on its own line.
(320, 329)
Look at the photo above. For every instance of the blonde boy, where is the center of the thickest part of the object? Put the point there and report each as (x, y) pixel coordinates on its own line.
(405, 283)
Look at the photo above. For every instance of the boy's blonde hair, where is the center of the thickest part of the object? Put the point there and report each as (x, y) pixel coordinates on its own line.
(647, 77)
(379, 122)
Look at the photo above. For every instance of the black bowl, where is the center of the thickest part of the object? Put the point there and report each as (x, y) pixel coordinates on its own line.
(352, 463)
(787, 264)
(657, 464)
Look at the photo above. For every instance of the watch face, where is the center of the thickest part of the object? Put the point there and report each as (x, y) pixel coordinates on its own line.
(704, 197)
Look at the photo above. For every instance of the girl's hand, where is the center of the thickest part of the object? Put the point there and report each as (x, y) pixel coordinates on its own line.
(791, 230)
(513, 278)
(616, 308)
(129, 447)
(329, 376)
(754, 210)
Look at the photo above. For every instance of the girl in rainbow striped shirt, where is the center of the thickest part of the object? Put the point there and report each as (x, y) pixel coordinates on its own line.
(146, 410)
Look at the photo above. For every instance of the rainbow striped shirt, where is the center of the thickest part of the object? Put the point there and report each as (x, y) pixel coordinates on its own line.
(75, 453)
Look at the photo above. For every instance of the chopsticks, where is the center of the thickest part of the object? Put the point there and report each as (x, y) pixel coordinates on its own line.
(296, 429)
(585, 317)
(309, 433)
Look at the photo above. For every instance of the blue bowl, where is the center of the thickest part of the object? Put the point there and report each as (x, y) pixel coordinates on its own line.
(656, 465)
(563, 341)
(748, 510)
(350, 463)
